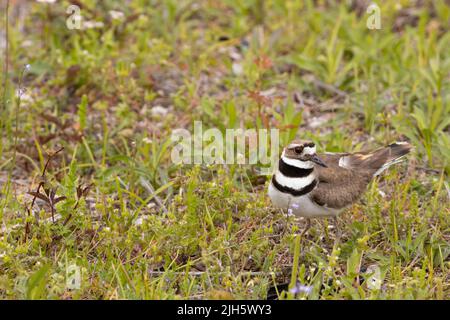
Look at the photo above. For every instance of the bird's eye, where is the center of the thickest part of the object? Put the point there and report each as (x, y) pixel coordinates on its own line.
(298, 150)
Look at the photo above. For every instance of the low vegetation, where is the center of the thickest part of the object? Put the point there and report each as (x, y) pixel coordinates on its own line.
(92, 207)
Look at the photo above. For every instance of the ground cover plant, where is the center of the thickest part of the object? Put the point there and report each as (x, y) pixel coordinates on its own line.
(92, 207)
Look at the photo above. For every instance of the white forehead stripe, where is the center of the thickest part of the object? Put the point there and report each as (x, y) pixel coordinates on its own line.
(309, 150)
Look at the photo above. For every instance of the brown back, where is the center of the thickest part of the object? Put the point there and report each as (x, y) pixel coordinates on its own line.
(341, 185)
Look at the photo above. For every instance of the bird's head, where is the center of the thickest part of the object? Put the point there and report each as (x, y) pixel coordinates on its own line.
(304, 152)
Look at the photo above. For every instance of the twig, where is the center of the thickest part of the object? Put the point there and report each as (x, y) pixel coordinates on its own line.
(330, 88)
(151, 190)
(5, 87)
(5, 228)
(5, 66)
(200, 273)
(429, 169)
(18, 102)
(48, 160)
(41, 184)
(448, 189)
(81, 192)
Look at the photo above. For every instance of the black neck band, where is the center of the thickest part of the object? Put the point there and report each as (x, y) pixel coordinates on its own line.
(293, 172)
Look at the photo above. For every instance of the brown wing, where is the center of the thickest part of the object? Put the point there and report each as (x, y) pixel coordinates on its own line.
(372, 161)
(338, 187)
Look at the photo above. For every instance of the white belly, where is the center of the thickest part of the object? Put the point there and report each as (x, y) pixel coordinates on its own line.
(301, 206)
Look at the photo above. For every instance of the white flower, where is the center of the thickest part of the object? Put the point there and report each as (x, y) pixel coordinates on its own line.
(116, 15)
(147, 140)
(269, 92)
(92, 24)
(374, 277)
(237, 68)
(20, 92)
(295, 206)
(299, 288)
(159, 111)
(27, 43)
(23, 95)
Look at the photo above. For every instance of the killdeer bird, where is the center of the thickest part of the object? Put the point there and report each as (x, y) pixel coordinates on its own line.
(311, 185)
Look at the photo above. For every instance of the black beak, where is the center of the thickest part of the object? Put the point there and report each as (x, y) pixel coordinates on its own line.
(319, 161)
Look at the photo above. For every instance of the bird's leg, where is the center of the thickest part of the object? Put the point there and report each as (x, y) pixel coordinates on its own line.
(284, 228)
(325, 229)
(308, 225)
(338, 231)
(287, 214)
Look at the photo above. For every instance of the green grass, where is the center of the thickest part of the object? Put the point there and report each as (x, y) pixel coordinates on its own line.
(140, 227)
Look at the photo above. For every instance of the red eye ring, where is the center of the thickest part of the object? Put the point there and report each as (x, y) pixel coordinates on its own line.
(298, 150)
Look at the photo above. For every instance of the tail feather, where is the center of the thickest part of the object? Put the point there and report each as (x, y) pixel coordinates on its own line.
(379, 160)
(399, 149)
(390, 155)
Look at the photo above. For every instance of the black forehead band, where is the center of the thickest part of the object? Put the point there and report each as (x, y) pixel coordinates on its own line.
(310, 145)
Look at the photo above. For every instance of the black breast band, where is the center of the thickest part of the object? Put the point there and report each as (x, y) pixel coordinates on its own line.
(293, 172)
(294, 192)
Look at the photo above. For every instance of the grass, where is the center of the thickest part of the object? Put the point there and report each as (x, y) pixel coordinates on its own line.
(137, 226)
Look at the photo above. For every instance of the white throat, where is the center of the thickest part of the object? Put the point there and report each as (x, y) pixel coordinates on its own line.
(297, 163)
